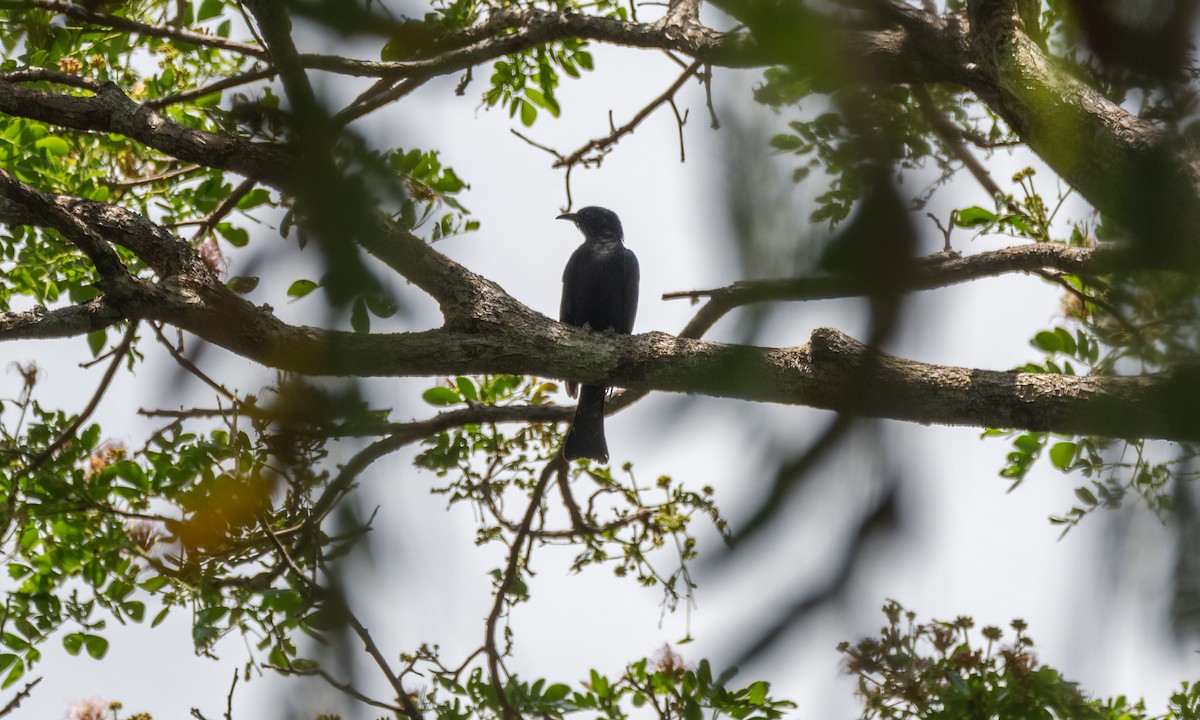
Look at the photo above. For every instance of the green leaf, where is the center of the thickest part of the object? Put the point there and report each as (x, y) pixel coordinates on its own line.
(96, 340)
(556, 692)
(136, 609)
(53, 145)
(466, 387)
(1067, 341)
(974, 216)
(359, 320)
(381, 305)
(72, 643)
(235, 236)
(1086, 496)
(209, 9)
(96, 646)
(18, 670)
(158, 619)
(1048, 341)
(1062, 454)
(254, 198)
(785, 141)
(528, 113)
(240, 285)
(440, 395)
(300, 288)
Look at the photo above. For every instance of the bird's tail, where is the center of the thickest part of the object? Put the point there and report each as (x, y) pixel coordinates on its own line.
(585, 437)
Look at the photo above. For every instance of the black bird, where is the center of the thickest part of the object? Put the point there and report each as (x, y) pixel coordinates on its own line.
(600, 291)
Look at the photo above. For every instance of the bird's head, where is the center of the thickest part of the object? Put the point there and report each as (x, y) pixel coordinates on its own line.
(596, 223)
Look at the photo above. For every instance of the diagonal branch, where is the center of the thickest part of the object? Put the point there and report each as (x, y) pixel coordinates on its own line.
(934, 271)
(600, 146)
(82, 14)
(111, 110)
(90, 224)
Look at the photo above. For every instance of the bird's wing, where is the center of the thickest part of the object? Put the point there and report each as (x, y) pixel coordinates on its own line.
(568, 309)
(632, 278)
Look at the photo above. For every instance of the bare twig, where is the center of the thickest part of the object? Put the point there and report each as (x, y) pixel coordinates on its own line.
(954, 140)
(161, 177)
(681, 120)
(188, 365)
(19, 697)
(708, 99)
(352, 620)
(600, 146)
(538, 145)
(556, 464)
(69, 433)
(229, 698)
(226, 206)
(370, 101)
(334, 682)
(215, 87)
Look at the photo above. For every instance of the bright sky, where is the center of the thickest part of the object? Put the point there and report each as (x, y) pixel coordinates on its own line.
(967, 547)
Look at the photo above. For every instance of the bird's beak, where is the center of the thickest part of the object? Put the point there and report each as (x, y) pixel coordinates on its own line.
(567, 216)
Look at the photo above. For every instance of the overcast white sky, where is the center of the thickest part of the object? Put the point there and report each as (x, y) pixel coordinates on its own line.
(968, 548)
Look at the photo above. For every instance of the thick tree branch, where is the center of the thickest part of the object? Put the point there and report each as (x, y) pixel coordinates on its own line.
(828, 373)
(1125, 166)
(87, 221)
(41, 324)
(111, 110)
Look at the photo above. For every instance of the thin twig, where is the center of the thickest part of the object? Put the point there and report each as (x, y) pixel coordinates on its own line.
(19, 697)
(334, 682)
(600, 145)
(352, 620)
(538, 145)
(81, 13)
(708, 98)
(229, 698)
(215, 87)
(364, 105)
(191, 367)
(135, 182)
(225, 207)
(1108, 307)
(680, 120)
(556, 464)
(953, 136)
(68, 434)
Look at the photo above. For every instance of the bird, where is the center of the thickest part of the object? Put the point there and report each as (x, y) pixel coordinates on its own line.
(600, 292)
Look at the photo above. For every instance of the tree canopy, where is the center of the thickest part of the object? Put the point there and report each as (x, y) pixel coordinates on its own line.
(148, 146)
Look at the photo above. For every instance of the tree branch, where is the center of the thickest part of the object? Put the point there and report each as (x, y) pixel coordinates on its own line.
(934, 271)
(82, 14)
(111, 110)
(40, 323)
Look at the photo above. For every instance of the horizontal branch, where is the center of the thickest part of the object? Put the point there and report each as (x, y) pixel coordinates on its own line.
(833, 372)
(71, 321)
(934, 271)
(400, 433)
